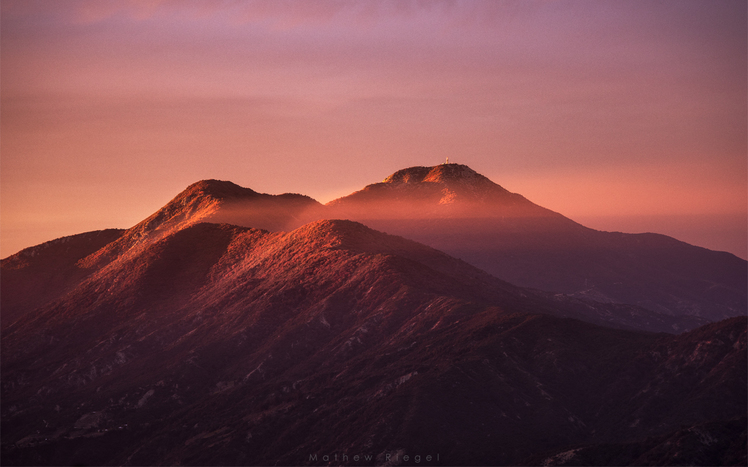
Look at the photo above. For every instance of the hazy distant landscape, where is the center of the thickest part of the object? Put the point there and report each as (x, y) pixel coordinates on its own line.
(373, 233)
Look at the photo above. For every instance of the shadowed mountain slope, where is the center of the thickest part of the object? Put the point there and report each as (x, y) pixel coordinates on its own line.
(222, 345)
(713, 443)
(37, 275)
(454, 209)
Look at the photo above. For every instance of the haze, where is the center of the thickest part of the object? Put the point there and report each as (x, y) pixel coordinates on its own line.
(623, 115)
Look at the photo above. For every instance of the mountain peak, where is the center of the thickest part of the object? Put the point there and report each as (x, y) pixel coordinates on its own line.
(445, 190)
(218, 189)
(443, 173)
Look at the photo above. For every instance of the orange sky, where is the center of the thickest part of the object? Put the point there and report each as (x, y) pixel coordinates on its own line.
(622, 115)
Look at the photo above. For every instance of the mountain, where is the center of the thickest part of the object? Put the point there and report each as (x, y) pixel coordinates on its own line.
(234, 327)
(40, 274)
(456, 210)
(443, 191)
(451, 208)
(212, 201)
(217, 344)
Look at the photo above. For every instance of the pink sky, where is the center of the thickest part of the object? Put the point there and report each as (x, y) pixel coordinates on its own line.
(626, 116)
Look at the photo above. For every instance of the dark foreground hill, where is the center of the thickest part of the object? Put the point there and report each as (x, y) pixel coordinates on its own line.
(41, 274)
(714, 443)
(213, 344)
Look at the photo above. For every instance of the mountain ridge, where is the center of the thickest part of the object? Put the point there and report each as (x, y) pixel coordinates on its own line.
(209, 343)
(512, 239)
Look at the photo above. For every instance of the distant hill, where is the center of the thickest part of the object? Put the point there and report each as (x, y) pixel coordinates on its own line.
(456, 210)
